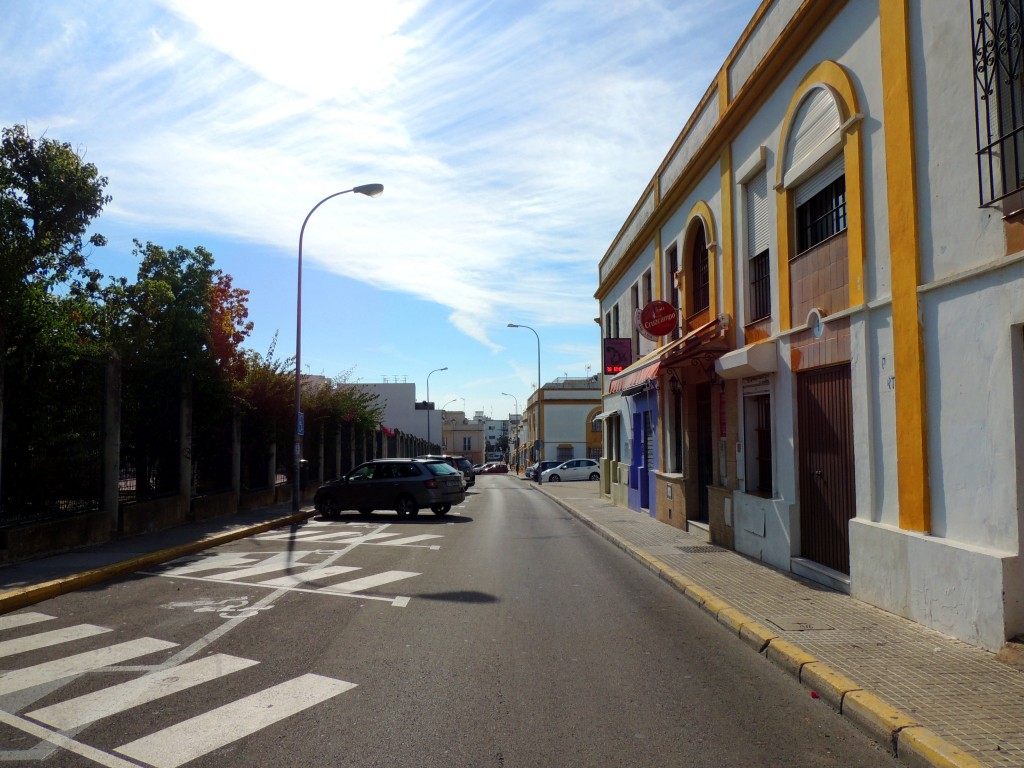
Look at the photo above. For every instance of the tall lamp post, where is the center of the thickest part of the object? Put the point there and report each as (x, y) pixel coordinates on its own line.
(428, 399)
(506, 394)
(370, 190)
(516, 325)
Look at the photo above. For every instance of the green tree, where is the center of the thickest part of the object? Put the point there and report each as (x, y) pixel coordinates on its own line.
(48, 197)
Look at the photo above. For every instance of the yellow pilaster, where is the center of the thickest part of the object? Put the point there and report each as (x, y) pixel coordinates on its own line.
(904, 256)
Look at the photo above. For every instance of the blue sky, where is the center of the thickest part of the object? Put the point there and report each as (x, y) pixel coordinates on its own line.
(512, 139)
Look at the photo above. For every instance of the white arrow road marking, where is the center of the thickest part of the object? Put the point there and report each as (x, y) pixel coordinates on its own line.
(74, 713)
(295, 579)
(80, 663)
(22, 620)
(356, 585)
(46, 639)
(199, 735)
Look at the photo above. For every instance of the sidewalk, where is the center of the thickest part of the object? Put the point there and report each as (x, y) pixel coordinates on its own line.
(933, 700)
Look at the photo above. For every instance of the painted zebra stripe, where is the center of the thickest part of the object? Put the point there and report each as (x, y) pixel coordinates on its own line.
(46, 639)
(78, 664)
(367, 582)
(314, 574)
(199, 735)
(22, 620)
(82, 710)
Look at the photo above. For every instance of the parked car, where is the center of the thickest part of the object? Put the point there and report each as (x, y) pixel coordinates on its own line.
(497, 468)
(404, 485)
(575, 469)
(540, 466)
(461, 463)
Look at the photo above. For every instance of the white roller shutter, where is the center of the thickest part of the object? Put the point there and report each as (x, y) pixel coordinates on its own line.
(835, 168)
(816, 120)
(758, 221)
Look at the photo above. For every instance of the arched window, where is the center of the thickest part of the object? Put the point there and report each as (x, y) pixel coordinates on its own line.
(701, 276)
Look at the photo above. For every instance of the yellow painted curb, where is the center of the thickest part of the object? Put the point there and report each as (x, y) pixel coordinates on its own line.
(733, 619)
(879, 719)
(827, 683)
(698, 594)
(788, 656)
(921, 748)
(757, 635)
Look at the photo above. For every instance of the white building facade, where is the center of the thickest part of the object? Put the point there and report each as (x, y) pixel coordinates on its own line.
(839, 227)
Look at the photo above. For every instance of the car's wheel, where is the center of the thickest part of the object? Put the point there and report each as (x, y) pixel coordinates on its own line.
(329, 507)
(441, 509)
(365, 511)
(595, 475)
(406, 505)
(554, 479)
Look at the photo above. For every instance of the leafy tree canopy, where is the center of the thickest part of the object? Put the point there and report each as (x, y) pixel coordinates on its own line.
(48, 197)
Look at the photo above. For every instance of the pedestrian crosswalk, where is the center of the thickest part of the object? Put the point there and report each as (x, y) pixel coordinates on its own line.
(175, 745)
(301, 571)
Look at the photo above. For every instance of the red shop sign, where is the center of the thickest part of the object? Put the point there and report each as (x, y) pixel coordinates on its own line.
(657, 319)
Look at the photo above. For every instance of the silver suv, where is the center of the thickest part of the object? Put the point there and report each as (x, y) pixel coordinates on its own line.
(404, 485)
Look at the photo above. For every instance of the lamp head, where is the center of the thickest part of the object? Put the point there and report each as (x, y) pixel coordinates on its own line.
(370, 190)
(512, 325)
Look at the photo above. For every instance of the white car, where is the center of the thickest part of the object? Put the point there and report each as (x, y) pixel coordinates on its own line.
(574, 469)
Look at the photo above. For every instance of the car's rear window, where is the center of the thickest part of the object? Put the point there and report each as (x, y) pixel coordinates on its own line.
(441, 468)
(465, 464)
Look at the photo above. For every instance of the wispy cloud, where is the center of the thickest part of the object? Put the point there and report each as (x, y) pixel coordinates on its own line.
(512, 138)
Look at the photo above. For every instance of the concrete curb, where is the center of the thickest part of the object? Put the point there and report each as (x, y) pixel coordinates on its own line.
(25, 596)
(899, 733)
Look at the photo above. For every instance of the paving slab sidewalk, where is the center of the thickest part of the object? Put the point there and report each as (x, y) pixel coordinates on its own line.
(931, 699)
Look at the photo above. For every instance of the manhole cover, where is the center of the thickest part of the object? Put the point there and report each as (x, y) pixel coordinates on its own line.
(798, 624)
(699, 549)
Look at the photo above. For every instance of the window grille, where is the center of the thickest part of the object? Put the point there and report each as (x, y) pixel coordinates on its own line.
(999, 98)
(822, 216)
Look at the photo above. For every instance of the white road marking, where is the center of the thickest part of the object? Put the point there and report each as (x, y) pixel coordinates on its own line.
(200, 735)
(281, 590)
(74, 713)
(58, 740)
(70, 666)
(22, 620)
(300, 535)
(274, 563)
(295, 579)
(408, 540)
(358, 540)
(46, 639)
(220, 560)
(367, 582)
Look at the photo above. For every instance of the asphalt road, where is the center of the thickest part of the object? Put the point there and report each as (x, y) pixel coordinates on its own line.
(504, 634)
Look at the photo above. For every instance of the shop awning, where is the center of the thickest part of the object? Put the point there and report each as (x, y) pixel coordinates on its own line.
(644, 369)
(708, 339)
(606, 415)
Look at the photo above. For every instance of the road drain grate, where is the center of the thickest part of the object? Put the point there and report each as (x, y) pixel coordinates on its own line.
(699, 549)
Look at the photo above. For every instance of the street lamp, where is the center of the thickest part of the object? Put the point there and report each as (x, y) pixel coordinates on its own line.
(428, 398)
(370, 190)
(516, 325)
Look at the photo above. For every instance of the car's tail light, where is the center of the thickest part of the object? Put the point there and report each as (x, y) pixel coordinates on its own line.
(431, 484)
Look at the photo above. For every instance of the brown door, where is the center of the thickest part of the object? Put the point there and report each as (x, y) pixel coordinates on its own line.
(825, 464)
(705, 447)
